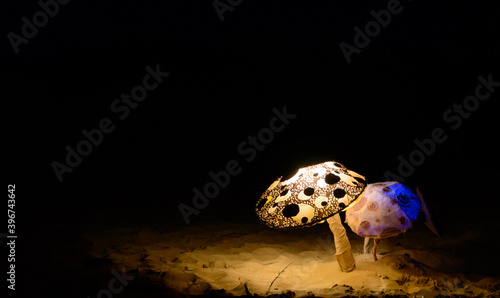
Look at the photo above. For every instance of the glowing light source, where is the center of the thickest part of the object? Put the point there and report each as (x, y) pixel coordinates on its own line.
(310, 196)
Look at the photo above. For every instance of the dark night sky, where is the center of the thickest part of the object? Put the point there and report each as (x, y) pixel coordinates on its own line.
(225, 79)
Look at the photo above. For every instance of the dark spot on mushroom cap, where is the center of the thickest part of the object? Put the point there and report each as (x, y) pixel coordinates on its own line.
(309, 191)
(338, 165)
(324, 203)
(341, 205)
(339, 193)
(403, 199)
(402, 220)
(291, 210)
(364, 224)
(372, 206)
(386, 189)
(304, 219)
(359, 204)
(261, 203)
(332, 178)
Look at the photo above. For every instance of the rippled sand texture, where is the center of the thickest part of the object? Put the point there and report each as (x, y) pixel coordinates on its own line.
(244, 259)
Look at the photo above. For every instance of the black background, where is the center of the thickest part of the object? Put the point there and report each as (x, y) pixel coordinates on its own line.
(225, 79)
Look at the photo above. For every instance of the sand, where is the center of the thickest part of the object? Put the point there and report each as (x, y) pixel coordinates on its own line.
(230, 258)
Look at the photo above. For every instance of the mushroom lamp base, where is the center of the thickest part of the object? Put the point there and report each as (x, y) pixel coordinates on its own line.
(344, 255)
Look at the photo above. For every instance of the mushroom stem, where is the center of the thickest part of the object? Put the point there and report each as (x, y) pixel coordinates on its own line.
(375, 244)
(344, 255)
(367, 246)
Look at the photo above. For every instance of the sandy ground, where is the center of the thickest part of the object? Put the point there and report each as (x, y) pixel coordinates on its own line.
(239, 259)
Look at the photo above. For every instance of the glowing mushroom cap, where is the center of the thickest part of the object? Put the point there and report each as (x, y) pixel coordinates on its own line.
(384, 210)
(309, 195)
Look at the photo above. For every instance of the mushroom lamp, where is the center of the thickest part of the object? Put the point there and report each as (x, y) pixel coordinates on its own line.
(311, 195)
(384, 210)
